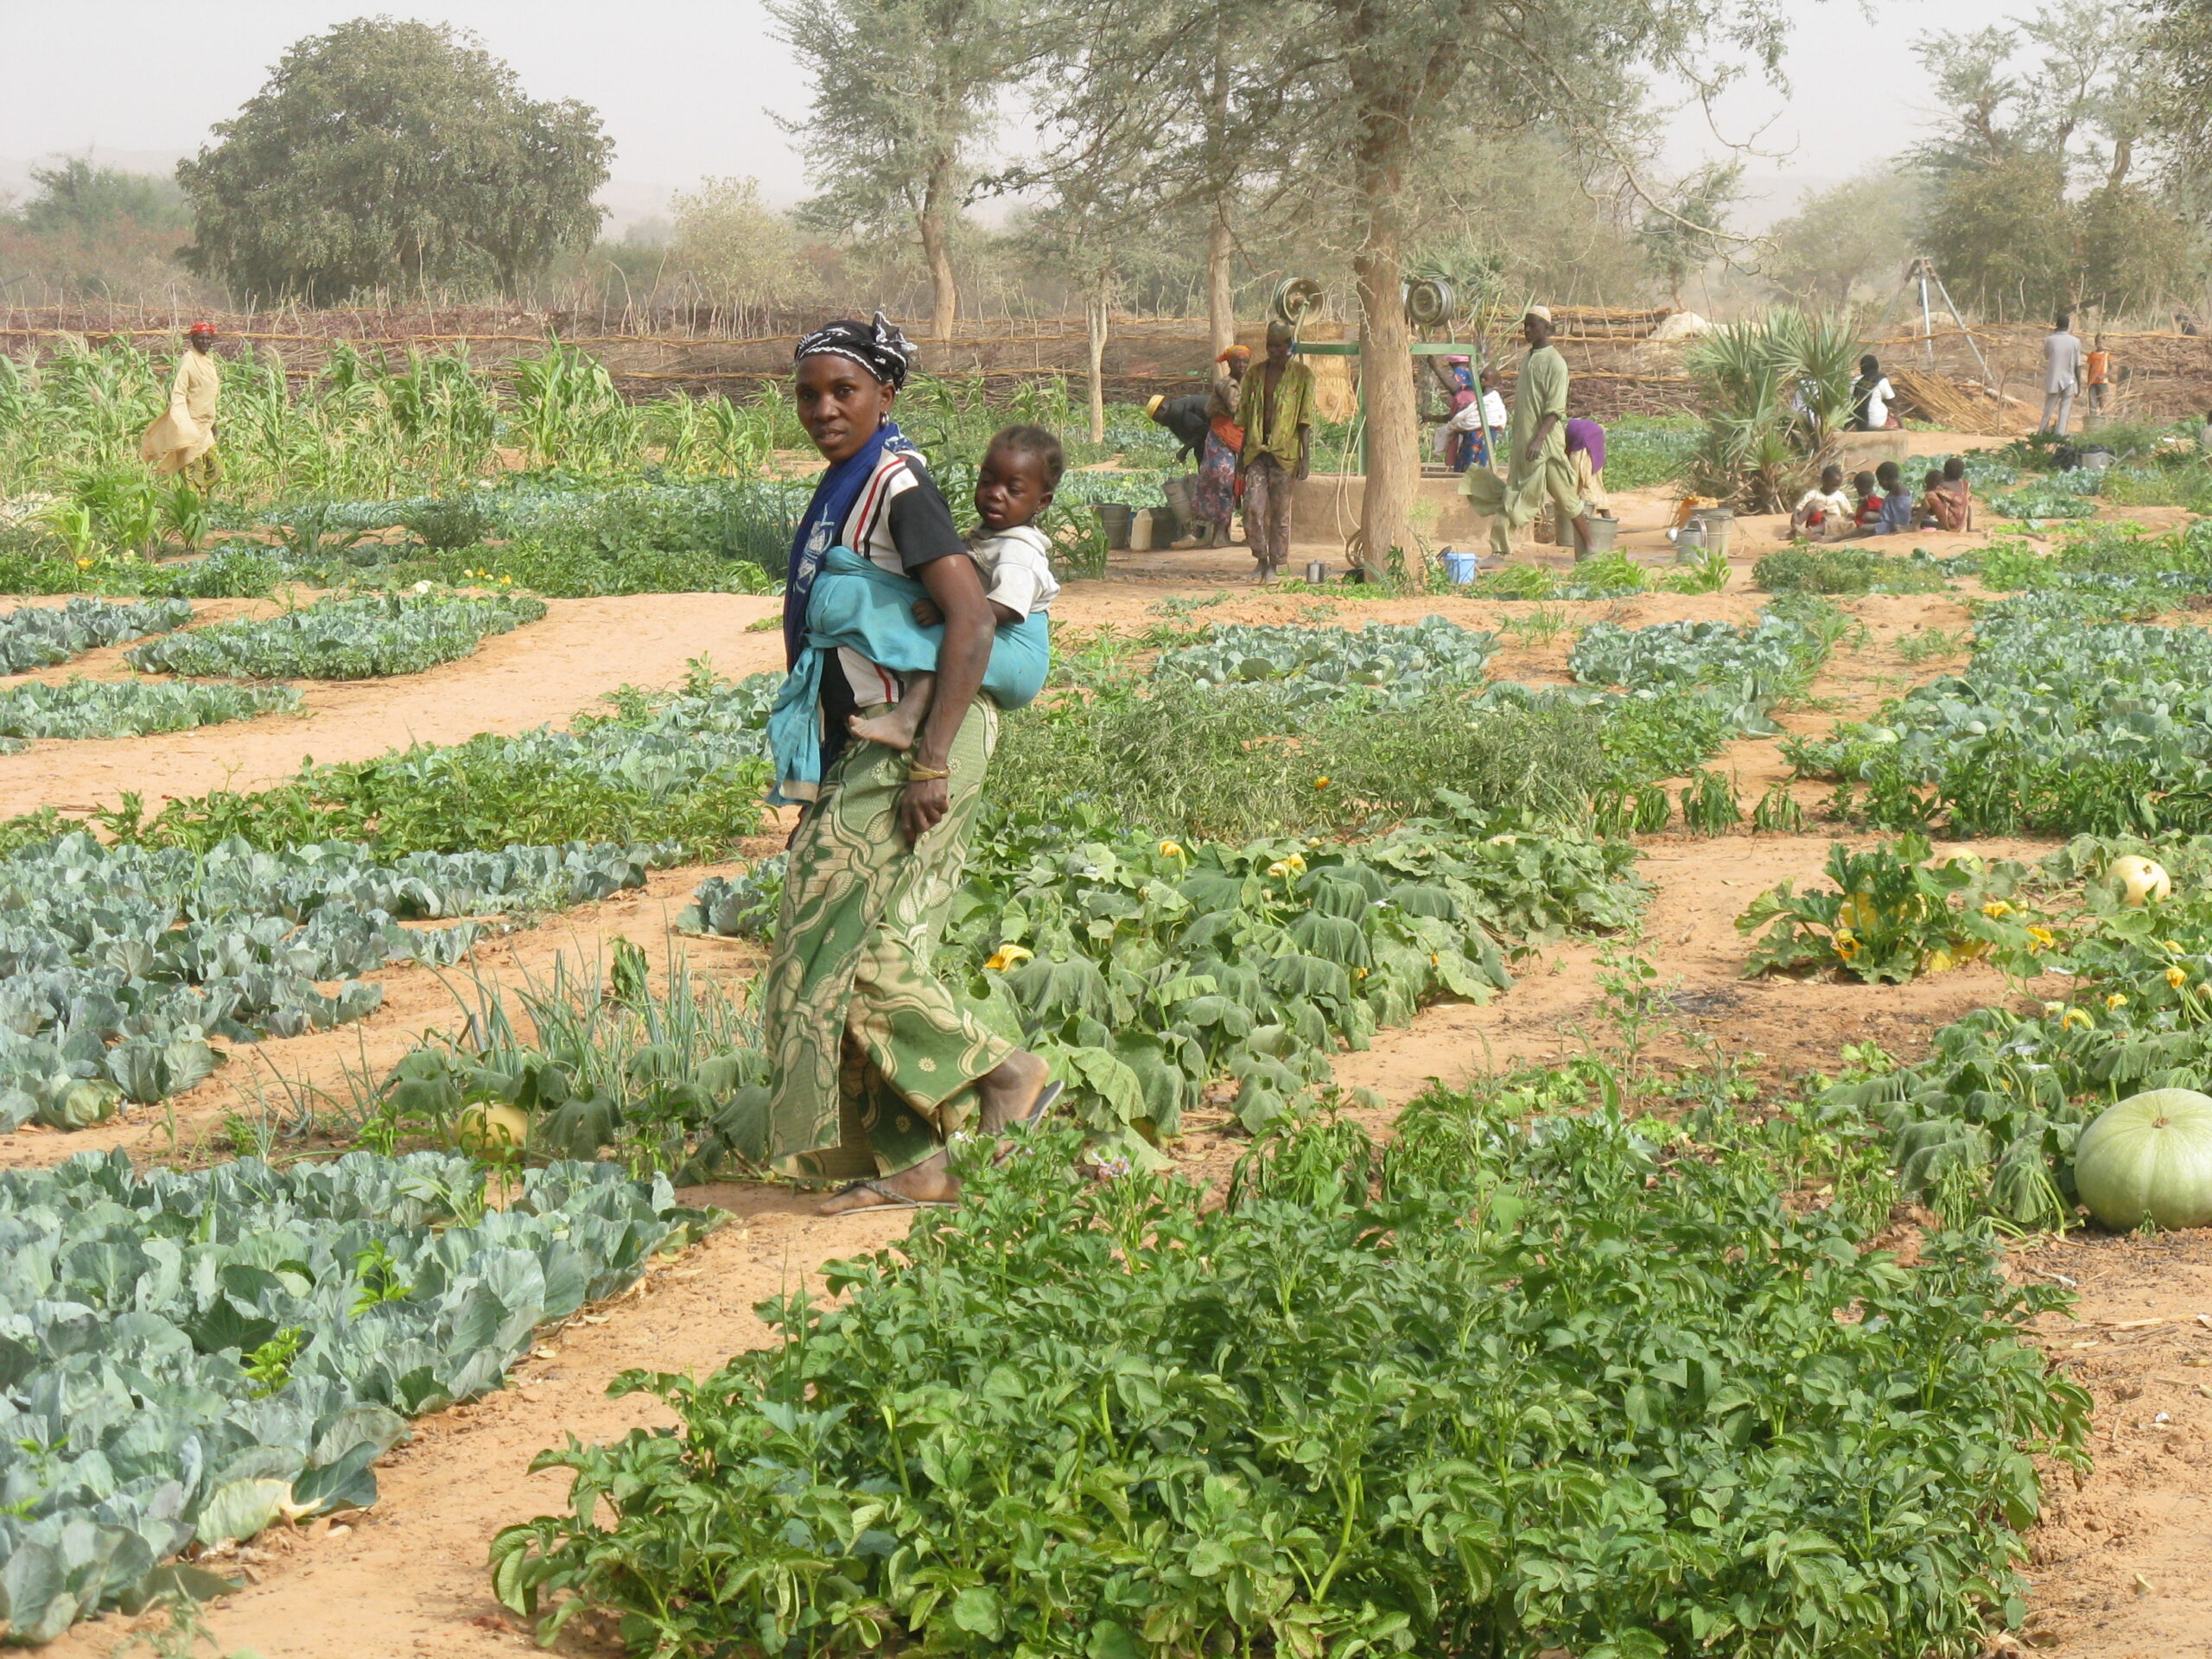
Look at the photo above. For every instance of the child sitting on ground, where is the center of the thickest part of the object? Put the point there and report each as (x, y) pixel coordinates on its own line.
(1929, 511)
(1949, 505)
(1869, 500)
(1824, 510)
(1898, 504)
(1020, 471)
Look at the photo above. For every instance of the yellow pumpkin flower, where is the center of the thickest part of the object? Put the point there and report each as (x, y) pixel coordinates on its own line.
(1170, 849)
(1321, 782)
(1846, 943)
(1007, 955)
(1296, 862)
(2039, 939)
(2177, 976)
(2077, 1017)
(1996, 908)
(2115, 1000)
(1278, 870)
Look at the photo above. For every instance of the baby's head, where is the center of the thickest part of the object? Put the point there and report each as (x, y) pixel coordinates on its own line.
(1934, 480)
(1831, 480)
(1955, 469)
(1863, 483)
(1887, 476)
(1021, 470)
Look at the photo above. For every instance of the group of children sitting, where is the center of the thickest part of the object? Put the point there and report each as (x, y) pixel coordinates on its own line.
(1885, 506)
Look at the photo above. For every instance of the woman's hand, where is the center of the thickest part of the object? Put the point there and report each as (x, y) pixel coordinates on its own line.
(925, 801)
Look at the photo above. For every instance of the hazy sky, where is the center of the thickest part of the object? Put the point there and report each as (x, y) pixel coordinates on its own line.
(684, 85)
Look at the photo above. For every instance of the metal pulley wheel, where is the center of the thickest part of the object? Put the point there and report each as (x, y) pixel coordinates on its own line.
(1431, 301)
(1294, 296)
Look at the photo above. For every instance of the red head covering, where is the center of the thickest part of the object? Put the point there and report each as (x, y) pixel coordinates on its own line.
(1239, 354)
(202, 327)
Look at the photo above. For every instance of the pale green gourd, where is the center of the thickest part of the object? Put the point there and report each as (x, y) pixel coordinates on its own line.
(2149, 1157)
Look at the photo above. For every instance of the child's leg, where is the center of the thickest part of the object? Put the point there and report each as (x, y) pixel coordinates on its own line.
(902, 724)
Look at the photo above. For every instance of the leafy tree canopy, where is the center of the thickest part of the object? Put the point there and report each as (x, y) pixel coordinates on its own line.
(77, 196)
(385, 153)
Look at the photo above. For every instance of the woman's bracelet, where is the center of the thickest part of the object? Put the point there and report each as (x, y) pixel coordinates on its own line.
(916, 775)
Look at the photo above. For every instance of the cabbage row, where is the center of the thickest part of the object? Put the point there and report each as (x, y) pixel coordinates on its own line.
(1745, 669)
(118, 963)
(341, 639)
(184, 1359)
(2057, 725)
(81, 707)
(38, 636)
(1396, 663)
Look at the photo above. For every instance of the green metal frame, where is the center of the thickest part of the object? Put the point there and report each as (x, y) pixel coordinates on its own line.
(1351, 348)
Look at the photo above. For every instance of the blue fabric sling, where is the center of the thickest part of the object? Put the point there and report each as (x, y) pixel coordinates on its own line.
(855, 604)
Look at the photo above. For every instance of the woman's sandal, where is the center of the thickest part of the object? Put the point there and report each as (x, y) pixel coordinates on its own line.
(889, 1201)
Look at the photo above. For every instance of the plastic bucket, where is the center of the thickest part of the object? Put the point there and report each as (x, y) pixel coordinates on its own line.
(1114, 520)
(1458, 567)
(1604, 528)
(1182, 494)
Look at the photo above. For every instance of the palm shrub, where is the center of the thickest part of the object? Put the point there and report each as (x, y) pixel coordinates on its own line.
(1774, 392)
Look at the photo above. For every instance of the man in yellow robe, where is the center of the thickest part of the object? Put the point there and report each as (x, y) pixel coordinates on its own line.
(1536, 465)
(183, 440)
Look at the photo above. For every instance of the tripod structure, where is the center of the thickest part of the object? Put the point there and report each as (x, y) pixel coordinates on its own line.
(1920, 271)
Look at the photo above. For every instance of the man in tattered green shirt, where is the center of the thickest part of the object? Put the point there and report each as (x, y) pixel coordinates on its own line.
(1276, 411)
(1536, 467)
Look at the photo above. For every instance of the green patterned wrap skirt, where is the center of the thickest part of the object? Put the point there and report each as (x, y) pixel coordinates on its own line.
(872, 1055)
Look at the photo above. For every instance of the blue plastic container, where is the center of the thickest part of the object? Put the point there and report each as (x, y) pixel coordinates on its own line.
(1459, 566)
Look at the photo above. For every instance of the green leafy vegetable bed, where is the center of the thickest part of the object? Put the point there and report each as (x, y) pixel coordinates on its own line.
(2057, 725)
(81, 707)
(38, 636)
(1745, 669)
(684, 769)
(116, 963)
(341, 639)
(1145, 969)
(1578, 1382)
(184, 1359)
(1843, 569)
(1394, 663)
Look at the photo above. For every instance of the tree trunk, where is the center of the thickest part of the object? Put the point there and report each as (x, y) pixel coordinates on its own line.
(1094, 311)
(933, 221)
(1221, 296)
(1387, 374)
(2123, 159)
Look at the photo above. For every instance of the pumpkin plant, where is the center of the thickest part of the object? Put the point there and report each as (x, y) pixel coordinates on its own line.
(1892, 915)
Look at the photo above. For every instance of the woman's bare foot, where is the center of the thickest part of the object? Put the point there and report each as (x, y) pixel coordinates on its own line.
(927, 1182)
(1007, 1091)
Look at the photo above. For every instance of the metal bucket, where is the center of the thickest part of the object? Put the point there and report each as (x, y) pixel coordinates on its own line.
(1459, 566)
(1603, 530)
(1720, 524)
(1114, 520)
(1317, 572)
(1689, 542)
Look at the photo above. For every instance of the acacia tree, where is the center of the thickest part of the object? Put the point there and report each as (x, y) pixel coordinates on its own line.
(1354, 93)
(905, 98)
(1682, 235)
(387, 152)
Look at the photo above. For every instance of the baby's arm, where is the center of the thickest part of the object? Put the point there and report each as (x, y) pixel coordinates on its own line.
(1006, 614)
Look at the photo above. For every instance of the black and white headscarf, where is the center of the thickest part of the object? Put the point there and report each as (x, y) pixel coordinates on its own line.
(877, 346)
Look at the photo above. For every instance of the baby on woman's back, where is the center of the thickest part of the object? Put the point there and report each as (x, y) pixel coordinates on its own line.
(1020, 471)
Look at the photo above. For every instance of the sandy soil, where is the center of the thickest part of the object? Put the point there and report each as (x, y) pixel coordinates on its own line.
(2121, 1564)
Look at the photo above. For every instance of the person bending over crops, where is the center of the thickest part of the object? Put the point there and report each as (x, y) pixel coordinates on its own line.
(875, 1064)
(1216, 494)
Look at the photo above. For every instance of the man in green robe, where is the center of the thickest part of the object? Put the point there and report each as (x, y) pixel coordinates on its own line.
(1536, 467)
